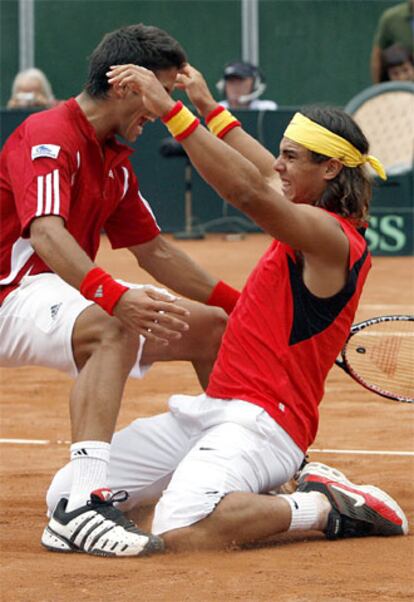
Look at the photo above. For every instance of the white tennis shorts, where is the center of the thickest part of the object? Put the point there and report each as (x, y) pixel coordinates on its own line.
(192, 456)
(36, 324)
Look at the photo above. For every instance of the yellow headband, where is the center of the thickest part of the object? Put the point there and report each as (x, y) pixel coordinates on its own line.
(316, 138)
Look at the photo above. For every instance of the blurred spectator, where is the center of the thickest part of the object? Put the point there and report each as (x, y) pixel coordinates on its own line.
(397, 64)
(241, 85)
(31, 88)
(395, 26)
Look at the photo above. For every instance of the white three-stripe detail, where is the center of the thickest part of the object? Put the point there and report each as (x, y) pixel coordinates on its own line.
(48, 194)
(39, 195)
(48, 203)
(126, 182)
(56, 192)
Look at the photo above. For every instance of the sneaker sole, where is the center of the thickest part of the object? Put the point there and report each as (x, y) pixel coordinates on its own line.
(56, 543)
(322, 470)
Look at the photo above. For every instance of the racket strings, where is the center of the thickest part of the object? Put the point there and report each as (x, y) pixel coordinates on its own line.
(382, 356)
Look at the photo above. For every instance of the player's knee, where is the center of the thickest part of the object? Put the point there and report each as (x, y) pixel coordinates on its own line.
(216, 328)
(104, 334)
(116, 336)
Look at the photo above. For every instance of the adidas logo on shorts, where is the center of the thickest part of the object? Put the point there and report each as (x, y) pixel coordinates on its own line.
(54, 310)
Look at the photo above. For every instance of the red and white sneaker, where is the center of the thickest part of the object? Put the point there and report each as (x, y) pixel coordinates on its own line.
(357, 510)
(98, 528)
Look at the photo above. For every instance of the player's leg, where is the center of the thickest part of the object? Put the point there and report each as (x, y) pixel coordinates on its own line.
(242, 450)
(104, 353)
(243, 517)
(37, 323)
(325, 501)
(143, 457)
(215, 496)
(199, 344)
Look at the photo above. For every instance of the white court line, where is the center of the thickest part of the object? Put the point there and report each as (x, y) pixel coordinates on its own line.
(367, 452)
(375, 306)
(363, 452)
(33, 442)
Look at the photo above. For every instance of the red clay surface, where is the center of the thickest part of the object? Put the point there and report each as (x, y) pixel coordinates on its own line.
(290, 568)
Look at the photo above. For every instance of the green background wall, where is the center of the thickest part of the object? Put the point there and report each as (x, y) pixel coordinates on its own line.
(310, 50)
(162, 182)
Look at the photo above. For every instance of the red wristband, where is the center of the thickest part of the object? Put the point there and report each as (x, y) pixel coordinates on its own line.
(100, 287)
(219, 109)
(220, 121)
(223, 295)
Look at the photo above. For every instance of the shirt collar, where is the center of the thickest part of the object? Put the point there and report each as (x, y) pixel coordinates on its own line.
(111, 144)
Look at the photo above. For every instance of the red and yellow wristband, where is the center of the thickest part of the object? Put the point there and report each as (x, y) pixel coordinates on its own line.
(220, 121)
(223, 295)
(180, 121)
(100, 287)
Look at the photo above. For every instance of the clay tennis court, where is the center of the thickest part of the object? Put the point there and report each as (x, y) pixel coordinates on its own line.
(34, 406)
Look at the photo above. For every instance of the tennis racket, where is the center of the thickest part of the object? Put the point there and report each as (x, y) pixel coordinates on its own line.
(379, 355)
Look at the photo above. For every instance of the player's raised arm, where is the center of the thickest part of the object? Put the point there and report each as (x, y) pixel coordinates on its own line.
(294, 217)
(193, 82)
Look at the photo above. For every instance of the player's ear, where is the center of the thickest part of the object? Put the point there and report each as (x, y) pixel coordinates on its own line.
(332, 168)
(118, 91)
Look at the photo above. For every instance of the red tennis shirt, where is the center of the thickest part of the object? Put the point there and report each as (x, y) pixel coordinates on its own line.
(281, 340)
(53, 164)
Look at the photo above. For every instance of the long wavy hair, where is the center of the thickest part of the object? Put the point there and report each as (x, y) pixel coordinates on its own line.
(349, 193)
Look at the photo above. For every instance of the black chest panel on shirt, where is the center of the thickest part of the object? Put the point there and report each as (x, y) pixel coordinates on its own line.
(311, 314)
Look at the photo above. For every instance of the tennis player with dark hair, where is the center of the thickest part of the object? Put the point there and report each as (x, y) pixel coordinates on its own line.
(211, 457)
(65, 178)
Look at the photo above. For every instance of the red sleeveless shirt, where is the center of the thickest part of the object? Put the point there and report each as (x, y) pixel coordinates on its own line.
(281, 340)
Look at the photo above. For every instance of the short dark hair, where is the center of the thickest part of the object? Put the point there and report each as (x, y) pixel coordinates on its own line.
(349, 193)
(143, 45)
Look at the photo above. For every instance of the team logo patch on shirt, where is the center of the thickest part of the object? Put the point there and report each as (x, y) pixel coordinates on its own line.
(45, 150)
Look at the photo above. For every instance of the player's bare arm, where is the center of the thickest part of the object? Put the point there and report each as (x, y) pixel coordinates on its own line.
(173, 268)
(195, 86)
(136, 309)
(240, 182)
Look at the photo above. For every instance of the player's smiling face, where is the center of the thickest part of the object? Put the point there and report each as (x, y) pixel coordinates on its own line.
(302, 179)
(134, 115)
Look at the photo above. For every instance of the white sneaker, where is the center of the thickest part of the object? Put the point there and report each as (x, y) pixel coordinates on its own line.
(98, 528)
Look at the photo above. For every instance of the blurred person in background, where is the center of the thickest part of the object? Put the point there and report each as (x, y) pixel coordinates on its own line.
(395, 26)
(31, 88)
(397, 64)
(242, 84)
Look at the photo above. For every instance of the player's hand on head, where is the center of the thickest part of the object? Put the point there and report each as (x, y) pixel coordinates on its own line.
(195, 86)
(144, 82)
(152, 313)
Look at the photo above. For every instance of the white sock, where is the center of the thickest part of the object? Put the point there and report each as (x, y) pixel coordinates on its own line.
(309, 510)
(89, 461)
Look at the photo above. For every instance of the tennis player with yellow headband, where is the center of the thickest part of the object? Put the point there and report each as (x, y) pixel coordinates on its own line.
(250, 432)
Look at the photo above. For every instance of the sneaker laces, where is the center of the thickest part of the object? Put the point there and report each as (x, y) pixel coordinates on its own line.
(107, 509)
(117, 497)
